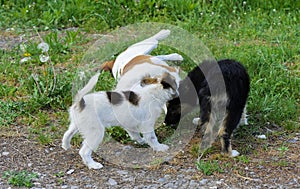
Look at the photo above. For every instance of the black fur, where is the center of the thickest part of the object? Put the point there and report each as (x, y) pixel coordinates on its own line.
(114, 97)
(204, 83)
(132, 97)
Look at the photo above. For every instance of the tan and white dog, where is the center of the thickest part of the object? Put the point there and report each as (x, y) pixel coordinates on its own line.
(136, 111)
(132, 64)
(134, 53)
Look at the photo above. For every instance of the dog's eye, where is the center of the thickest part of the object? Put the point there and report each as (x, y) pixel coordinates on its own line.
(165, 85)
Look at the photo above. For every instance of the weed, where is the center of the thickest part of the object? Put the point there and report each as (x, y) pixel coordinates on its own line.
(209, 167)
(243, 159)
(20, 178)
(282, 149)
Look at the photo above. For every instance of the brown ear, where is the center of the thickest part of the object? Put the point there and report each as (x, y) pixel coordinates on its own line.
(107, 66)
(147, 80)
(168, 81)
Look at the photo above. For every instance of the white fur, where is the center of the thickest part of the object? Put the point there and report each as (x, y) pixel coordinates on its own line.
(141, 48)
(130, 80)
(98, 113)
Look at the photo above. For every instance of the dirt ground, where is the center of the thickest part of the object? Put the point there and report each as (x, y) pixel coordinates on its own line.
(269, 165)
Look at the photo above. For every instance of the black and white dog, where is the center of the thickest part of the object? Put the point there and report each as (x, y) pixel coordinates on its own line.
(221, 89)
(136, 111)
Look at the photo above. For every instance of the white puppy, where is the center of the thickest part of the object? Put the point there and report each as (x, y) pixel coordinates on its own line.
(136, 111)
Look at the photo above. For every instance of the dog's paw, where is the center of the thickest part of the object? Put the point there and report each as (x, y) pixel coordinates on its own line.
(65, 146)
(95, 165)
(244, 121)
(161, 147)
(176, 57)
(196, 121)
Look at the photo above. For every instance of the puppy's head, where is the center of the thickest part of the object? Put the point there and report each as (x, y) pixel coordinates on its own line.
(165, 82)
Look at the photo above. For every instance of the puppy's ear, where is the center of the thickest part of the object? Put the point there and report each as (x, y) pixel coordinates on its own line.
(147, 80)
(168, 81)
(107, 66)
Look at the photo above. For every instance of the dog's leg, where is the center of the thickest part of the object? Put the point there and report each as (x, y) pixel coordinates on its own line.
(92, 139)
(207, 126)
(68, 136)
(230, 122)
(244, 120)
(170, 57)
(151, 139)
(86, 155)
(136, 136)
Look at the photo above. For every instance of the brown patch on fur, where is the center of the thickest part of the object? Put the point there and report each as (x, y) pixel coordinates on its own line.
(114, 97)
(132, 97)
(107, 66)
(143, 59)
(148, 81)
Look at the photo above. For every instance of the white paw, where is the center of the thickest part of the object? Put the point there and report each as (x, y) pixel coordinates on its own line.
(141, 141)
(196, 121)
(176, 57)
(161, 147)
(95, 165)
(65, 146)
(234, 153)
(244, 121)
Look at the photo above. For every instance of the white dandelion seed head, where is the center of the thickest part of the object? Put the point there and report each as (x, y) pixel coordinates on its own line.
(43, 46)
(44, 58)
(25, 59)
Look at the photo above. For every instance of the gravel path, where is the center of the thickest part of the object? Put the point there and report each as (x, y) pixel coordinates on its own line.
(63, 169)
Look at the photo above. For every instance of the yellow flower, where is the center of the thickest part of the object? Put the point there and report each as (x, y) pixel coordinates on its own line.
(27, 54)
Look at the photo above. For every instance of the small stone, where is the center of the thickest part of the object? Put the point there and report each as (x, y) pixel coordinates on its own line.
(203, 181)
(122, 172)
(112, 182)
(74, 187)
(161, 180)
(294, 140)
(70, 171)
(234, 153)
(193, 184)
(64, 186)
(5, 153)
(261, 136)
(126, 147)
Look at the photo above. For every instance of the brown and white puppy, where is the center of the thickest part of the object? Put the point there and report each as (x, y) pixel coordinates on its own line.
(137, 58)
(136, 111)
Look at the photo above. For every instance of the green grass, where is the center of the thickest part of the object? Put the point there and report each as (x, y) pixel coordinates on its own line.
(209, 167)
(20, 178)
(263, 35)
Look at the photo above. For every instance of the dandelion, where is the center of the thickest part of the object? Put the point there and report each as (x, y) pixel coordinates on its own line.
(44, 47)
(44, 58)
(25, 59)
(27, 54)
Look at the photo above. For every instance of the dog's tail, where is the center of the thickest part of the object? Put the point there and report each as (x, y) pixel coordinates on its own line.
(78, 100)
